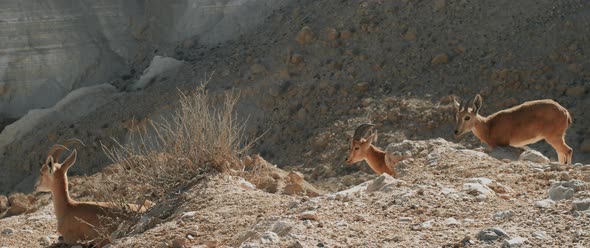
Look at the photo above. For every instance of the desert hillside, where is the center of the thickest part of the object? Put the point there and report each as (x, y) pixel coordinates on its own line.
(304, 75)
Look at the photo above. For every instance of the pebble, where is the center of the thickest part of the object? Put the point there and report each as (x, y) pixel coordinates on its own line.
(270, 238)
(547, 203)
(309, 215)
(514, 242)
(503, 215)
(405, 219)
(451, 222)
(7, 231)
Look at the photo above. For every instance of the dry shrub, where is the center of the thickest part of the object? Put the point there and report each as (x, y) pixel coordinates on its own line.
(166, 158)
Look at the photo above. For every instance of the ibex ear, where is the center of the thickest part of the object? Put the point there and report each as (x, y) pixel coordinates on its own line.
(372, 138)
(49, 162)
(70, 160)
(456, 104)
(477, 102)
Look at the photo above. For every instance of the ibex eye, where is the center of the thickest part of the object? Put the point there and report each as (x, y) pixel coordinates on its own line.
(467, 118)
(356, 148)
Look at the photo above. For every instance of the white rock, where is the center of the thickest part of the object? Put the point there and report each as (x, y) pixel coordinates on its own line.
(559, 193)
(547, 203)
(533, 156)
(7, 231)
(480, 180)
(270, 238)
(478, 190)
(158, 66)
(405, 219)
(514, 242)
(503, 215)
(581, 204)
(451, 222)
(540, 234)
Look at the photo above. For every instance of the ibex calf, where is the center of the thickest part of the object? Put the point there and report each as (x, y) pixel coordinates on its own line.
(518, 126)
(76, 221)
(362, 148)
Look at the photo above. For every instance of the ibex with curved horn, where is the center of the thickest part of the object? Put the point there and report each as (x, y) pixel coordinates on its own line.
(362, 148)
(76, 221)
(518, 126)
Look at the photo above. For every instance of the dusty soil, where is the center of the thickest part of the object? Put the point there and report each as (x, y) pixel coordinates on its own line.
(427, 206)
(393, 63)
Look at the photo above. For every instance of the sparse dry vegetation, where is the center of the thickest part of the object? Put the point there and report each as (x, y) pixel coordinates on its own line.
(166, 158)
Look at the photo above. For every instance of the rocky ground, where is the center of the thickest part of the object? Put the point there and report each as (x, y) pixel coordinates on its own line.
(307, 77)
(446, 195)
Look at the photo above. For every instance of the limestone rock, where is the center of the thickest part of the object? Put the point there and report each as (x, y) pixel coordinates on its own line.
(304, 36)
(514, 242)
(533, 156)
(581, 204)
(19, 203)
(442, 58)
(547, 203)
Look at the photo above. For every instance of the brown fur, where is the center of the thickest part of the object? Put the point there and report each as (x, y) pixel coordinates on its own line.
(76, 221)
(518, 126)
(376, 158)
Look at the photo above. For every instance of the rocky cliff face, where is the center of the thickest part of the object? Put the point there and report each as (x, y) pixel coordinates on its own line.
(52, 49)
(49, 48)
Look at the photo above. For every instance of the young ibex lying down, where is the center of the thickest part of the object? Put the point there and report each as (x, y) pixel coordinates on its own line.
(518, 126)
(362, 148)
(76, 221)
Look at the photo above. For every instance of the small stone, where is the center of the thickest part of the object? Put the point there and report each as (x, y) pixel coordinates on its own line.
(361, 87)
(345, 34)
(491, 234)
(247, 185)
(533, 156)
(540, 234)
(45, 241)
(281, 228)
(293, 189)
(332, 34)
(296, 59)
(559, 193)
(581, 204)
(442, 58)
(77, 246)
(478, 190)
(295, 177)
(257, 69)
(503, 215)
(270, 238)
(380, 182)
(309, 215)
(179, 242)
(410, 35)
(304, 36)
(514, 242)
(7, 231)
(19, 203)
(451, 222)
(405, 219)
(547, 203)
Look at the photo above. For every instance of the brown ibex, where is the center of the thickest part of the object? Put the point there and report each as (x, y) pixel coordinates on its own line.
(76, 221)
(362, 148)
(518, 126)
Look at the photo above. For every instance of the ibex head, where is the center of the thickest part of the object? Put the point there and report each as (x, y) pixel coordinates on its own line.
(52, 171)
(360, 143)
(465, 114)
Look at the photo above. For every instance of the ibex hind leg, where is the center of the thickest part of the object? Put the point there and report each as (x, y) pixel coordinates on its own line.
(564, 152)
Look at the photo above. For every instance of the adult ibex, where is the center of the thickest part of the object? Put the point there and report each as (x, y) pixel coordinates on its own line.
(518, 126)
(362, 148)
(76, 221)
